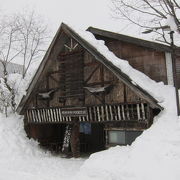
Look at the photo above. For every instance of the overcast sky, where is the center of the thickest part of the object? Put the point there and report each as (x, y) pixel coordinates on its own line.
(82, 13)
(79, 12)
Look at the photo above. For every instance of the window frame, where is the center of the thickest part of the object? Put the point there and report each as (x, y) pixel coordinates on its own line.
(126, 131)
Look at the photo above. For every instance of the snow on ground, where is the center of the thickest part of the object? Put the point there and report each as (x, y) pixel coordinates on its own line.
(22, 159)
(154, 155)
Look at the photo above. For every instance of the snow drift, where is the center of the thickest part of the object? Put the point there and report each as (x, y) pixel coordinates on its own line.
(22, 159)
(154, 155)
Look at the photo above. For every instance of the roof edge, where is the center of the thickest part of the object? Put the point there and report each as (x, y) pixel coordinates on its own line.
(43, 62)
(130, 39)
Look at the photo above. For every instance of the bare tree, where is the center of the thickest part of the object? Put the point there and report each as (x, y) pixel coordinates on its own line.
(8, 51)
(152, 15)
(22, 37)
(33, 35)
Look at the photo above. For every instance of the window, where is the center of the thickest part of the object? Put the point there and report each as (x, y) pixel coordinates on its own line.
(122, 137)
(117, 137)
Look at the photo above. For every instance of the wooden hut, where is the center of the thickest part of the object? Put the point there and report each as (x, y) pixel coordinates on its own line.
(80, 101)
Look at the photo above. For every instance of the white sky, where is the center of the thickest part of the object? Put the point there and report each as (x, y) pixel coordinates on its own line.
(79, 12)
(82, 13)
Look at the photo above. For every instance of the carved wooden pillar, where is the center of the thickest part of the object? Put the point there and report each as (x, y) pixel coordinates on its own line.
(75, 142)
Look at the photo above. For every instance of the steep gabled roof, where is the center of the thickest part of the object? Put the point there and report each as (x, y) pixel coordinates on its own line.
(98, 56)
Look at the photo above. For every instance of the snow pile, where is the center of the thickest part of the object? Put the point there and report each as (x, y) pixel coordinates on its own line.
(13, 138)
(22, 159)
(20, 84)
(154, 155)
(171, 22)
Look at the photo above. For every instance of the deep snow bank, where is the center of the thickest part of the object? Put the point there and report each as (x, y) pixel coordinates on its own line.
(22, 159)
(154, 155)
(13, 138)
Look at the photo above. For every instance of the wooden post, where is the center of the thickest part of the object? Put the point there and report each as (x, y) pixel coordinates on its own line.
(47, 89)
(174, 71)
(75, 142)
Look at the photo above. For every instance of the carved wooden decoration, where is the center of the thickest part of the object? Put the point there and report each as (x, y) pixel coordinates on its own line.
(72, 46)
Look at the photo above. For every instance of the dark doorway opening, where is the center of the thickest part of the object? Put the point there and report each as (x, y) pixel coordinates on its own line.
(93, 141)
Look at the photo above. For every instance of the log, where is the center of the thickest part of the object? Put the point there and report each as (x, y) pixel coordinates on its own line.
(143, 111)
(107, 115)
(98, 113)
(75, 142)
(119, 113)
(111, 114)
(123, 113)
(138, 112)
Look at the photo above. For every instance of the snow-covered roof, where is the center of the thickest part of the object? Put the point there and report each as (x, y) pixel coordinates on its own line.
(134, 79)
(130, 39)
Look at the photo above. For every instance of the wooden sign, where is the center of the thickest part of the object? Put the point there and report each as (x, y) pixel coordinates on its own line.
(67, 137)
(74, 112)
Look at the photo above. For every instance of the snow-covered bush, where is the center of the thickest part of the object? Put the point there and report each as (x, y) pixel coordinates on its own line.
(10, 96)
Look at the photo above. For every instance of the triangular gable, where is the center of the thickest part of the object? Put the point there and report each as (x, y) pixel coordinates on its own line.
(98, 56)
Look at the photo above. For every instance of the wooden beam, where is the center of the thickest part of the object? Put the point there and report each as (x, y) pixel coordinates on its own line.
(96, 96)
(54, 79)
(90, 64)
(102, 82)
(90, 76)
(97, 83)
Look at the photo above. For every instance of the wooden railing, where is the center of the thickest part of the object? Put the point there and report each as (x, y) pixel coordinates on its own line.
(99, 113)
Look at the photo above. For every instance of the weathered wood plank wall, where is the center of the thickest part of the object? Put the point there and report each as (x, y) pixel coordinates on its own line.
(148, 61)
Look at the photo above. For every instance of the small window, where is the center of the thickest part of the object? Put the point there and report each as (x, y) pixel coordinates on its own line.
(117, 137)
(122, 137)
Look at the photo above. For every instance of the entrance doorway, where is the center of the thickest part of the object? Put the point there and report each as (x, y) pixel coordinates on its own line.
(92, 137)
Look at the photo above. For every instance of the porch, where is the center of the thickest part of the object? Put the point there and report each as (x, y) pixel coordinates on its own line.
(131, 112)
